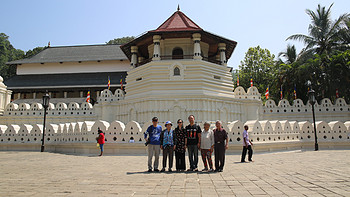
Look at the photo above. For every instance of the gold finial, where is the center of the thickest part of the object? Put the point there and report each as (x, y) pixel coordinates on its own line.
(178, 7)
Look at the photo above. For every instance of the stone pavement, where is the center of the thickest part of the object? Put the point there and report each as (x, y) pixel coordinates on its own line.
(296, 173)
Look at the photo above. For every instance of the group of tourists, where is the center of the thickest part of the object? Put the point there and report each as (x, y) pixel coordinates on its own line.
(194, 139)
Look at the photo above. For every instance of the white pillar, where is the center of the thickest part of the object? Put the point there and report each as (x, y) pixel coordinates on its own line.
(65, 94)
(222, 49)
(18, 95)
(156, 50)
(34, 95)
(81, 94)
(134, 55)
(197, 46)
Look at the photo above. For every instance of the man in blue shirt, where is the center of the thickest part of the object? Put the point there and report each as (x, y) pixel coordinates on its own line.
(153, 132)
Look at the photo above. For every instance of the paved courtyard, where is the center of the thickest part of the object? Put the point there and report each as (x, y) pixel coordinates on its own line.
(297, 173)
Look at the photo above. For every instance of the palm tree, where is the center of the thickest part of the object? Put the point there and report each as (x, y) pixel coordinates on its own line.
(345, 32)
(324, 34)
(290, 55)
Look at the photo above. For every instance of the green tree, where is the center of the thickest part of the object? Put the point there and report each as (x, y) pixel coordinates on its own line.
(34, 51)
(8, 53)
(257, 64)
(326, 81)
(122, 40)
(324, 34)
(323, 58)
(290, 55)
(345, 32)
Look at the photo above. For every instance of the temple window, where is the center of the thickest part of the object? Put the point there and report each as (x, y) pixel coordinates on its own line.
(176, 71)
(177, 53)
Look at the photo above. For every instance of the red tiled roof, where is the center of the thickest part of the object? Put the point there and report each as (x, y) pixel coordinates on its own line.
(178, 22)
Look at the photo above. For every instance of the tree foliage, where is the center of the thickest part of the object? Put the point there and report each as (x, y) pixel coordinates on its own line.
(258, 64)
(324, 34)
(122, 40)
(9, 53)
(325, 61)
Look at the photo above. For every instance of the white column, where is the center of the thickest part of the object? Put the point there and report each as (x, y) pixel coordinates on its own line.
(197, 46)
(222, 49)
(81, 94)
(18, 95)
(134, 55)
(65, 94)
(34, 95)
(156, 50)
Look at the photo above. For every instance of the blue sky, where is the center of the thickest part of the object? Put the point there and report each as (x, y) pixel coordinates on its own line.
(80, 22)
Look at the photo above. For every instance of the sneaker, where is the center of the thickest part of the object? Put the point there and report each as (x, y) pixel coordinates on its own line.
(211, 170)
(156, 170)
(162, 170)
(189, 170)
(220, 170)
(205, 170)
(170, 170)
(196, 169)
(150, 170)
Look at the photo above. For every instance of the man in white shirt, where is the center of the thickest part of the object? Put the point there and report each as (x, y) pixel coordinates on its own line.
(247, 145)
(207, 146)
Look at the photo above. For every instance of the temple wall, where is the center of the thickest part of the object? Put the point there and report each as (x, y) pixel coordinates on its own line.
(74, 67)
(324, 111)
(79, 137)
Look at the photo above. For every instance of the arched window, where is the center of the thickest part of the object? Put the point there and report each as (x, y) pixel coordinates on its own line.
(176, 71)
(178, 53)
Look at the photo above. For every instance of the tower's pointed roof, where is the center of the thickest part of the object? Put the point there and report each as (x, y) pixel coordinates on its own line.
(178, 22)
(178, 25)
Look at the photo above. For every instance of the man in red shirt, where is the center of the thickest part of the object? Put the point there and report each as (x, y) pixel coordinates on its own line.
(101, 140)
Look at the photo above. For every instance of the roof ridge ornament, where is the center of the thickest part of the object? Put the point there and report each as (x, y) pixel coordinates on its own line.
(178, 7)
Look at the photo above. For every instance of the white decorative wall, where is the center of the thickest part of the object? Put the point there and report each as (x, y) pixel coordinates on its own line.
(298, 111)
(274, 134)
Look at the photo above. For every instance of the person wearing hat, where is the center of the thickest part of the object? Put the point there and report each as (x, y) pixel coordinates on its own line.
(152, 138)
(167, 145)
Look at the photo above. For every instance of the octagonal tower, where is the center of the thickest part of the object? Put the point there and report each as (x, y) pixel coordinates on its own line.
(179, 69)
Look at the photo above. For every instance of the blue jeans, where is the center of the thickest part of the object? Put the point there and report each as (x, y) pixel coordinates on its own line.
(101, 147)
(193, 156)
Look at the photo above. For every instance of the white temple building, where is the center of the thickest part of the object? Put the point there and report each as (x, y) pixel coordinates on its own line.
(171, 72)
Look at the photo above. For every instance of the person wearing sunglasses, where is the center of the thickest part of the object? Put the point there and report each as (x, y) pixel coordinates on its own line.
(180, 137)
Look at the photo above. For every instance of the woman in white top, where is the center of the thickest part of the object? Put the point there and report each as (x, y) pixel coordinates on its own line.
(207, 146)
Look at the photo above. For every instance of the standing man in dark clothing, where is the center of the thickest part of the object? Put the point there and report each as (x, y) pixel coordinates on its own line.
(193, 142)
(220, 136)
